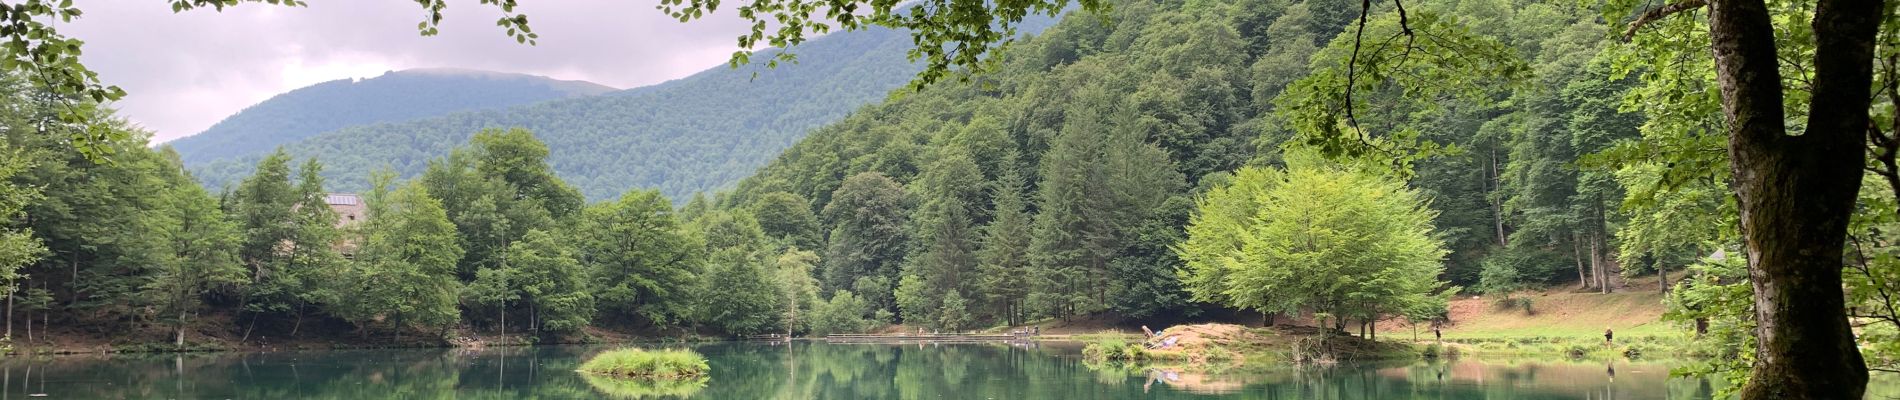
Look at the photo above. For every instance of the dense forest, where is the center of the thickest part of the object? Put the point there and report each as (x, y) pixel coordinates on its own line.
(1154, 162)
(698, 133)
(393, 97)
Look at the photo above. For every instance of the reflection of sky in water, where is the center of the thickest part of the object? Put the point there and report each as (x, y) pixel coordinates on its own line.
(818, 371)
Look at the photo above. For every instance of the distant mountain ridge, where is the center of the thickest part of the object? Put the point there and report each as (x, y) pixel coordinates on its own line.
(699, 133)
(393, 96)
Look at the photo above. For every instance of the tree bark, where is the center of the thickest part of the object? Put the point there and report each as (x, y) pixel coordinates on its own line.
(1662, 279)
(1497, 210)
(181, 328)
(1576, 253)
(1796, 192)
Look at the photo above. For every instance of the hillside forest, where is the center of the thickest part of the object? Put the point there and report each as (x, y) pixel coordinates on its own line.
(1155, 161)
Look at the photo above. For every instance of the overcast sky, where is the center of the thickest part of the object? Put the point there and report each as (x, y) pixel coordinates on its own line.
(184, 72)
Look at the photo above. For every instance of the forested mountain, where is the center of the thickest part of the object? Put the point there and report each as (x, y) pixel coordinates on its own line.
(1167, 157)
(1062, 183)
(698, 133)
(394, 96)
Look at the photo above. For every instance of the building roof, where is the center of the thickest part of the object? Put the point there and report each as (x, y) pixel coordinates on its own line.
(342, 199)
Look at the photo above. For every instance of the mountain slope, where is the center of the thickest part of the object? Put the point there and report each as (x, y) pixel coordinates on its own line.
(394, 96)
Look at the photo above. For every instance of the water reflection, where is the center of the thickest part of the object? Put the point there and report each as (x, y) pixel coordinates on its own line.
(804, 370)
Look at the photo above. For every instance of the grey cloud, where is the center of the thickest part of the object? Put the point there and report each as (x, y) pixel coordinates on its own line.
(186, 71)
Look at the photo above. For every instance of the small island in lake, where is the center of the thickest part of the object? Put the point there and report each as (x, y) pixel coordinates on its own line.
(648, 364)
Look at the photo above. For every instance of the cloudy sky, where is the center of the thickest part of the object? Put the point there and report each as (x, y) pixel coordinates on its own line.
(184, 72)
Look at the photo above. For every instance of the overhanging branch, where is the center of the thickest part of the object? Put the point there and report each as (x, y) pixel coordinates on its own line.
(1659, 13)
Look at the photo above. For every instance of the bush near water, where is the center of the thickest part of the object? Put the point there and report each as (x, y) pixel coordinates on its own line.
(653, 364)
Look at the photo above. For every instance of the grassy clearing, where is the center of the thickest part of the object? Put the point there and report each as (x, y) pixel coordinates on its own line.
(647, 364)
(1636, 348)
(1559, 313)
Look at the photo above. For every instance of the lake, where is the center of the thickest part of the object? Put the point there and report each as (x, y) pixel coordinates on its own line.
(807, 370)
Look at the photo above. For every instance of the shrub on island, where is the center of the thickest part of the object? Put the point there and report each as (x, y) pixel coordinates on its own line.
(647, 364)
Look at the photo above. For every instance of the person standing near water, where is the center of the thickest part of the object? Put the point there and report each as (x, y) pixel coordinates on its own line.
(1608, 336)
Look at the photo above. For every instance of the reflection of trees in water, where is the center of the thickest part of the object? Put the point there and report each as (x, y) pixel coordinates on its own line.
(629, 388)
(806, 370)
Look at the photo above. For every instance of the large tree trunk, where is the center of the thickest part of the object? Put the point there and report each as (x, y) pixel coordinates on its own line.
(181, 328)
(1796, 192)
(1576, 253)
(1497, 210)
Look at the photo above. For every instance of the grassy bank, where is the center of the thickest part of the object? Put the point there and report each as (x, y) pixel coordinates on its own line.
(1227, 345)
(1560, 322)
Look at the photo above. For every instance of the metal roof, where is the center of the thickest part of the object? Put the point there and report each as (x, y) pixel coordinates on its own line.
(342, 199)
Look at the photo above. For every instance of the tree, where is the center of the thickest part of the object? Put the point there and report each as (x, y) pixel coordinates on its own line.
(408, 262)
(869, 215)
(843, 313)
(313, 253)
(740, 296)
(552, 282)
(18, 247)
(200, 251)
(1315, 236)
(1795, 188)
(792, 271)
(1071, 243)
(1003, 259)
(945, 236)
(496, 190)
(642, 261)
(265, 206)
(787, 218)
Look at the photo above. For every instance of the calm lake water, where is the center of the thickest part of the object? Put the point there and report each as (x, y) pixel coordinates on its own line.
(807, 371)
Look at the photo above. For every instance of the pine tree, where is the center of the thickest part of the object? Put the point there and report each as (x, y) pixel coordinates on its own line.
(1073, 240)
(1004, 265)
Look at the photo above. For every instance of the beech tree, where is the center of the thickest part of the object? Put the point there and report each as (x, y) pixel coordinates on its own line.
(200, 251)
(1315, 237)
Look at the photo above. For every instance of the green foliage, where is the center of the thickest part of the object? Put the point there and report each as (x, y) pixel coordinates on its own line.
(201, 251)
(33, 47)
(639, 256)
(406, 269)
(496, 190)
(1319, 236)
(948, 35)
(551, 282)
(792, 271)
(1717, 294)
(650, 364)
(843, 313)
(395, 96)
(699, 133)
(264, 205)
(619, 388)
(788, 219)
(1003, 270)
(18, 248)
(1499, 279)
(869, 214)
(740, 296)
(1088, 147)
